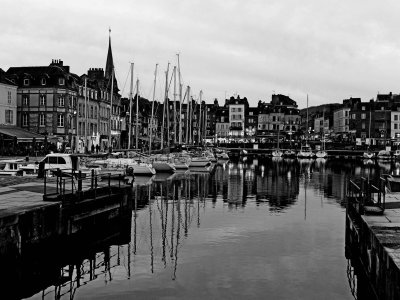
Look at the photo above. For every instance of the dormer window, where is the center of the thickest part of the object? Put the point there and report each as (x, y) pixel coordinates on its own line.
(61, 81)
(43, 81)
(26, 81)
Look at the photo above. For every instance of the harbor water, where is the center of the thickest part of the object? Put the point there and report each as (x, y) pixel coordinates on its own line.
(253, 229)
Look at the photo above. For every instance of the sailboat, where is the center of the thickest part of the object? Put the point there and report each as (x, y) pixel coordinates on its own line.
(322, 153)
(369, 154)
(305, 151)
(277, 152)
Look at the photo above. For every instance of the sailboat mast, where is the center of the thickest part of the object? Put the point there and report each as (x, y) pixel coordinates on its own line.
(187, 114)
(111, 106)
(323, 130)
(307, 120)
(137, 115)
(164, 107)
(180, 101)
(130, 108)
(201, 92)
(152, 110)
(174, 104)
(190, 120)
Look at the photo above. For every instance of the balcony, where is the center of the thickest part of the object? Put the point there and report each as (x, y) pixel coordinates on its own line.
(236, 128)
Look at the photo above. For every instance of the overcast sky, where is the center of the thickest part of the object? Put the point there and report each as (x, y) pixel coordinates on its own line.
(330, 50)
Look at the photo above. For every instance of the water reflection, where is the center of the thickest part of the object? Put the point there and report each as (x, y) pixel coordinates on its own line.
(201, 218)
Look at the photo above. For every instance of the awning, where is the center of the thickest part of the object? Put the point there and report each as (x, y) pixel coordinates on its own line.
(20, 134)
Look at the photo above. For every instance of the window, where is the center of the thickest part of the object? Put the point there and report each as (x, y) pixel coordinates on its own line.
(9, 97)
(61, 100)
(60, 120)
(43, 81)
(25, 120)
(362, 107)
(42, 100)
(9, 116)
(382, 108)
(61, 81)
(61, 161)
(26, 81)
(239, 109)
(353, 116)
(91, 112)
(363, 125)
(95, 112)
(233, 109)
(42, 120)
(363, 116)
(395, 126)
(250, 113)
(25, 100)
(396, 117)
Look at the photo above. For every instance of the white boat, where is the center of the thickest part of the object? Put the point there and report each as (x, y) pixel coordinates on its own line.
(368, 155)
(199, 161)
(321, 154)
(30, 169)
(10, 167)
(68, 163)
(162, 163)
(181, 162)
(277, 153)
(305, 152)
(221, 155)
(289, 153)
(384, 155)
(139, 168)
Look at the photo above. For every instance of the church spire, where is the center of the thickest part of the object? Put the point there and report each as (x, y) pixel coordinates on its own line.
(110, 62)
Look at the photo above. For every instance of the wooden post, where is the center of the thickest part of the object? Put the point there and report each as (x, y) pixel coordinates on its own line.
(92, 179)
(80, 181)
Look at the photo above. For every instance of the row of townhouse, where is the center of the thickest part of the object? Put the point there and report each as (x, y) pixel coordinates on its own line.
(73, 111)
(376, 122)
(236, 120)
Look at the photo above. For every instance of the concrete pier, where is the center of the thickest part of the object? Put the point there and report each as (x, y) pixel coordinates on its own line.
(373, 242)
(38, 238)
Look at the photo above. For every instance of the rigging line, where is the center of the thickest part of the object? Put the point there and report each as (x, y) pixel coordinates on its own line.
(127, 75)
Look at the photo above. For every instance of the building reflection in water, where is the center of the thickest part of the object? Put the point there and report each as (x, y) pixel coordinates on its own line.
(165, 209)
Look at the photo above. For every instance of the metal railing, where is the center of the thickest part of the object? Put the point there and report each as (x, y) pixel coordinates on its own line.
(367, 193)
(74, 179)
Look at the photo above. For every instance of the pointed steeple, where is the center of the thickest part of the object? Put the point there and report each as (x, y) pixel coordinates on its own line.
(110, 61)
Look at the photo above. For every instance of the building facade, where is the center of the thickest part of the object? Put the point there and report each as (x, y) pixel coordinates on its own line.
(8, 100)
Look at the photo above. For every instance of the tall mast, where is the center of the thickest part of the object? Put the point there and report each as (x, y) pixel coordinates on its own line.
(137, 115)
(164, 107)
(307, 120)
(190, 120)
(86, 120)
(323, 130)
(130, 109)
(187, 115)
(180, 114)
(180, 101)
(152, 109)
(174, 104)
(199, 136)
(111, 105)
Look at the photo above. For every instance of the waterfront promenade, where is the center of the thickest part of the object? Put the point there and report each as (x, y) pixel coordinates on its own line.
(374, 240)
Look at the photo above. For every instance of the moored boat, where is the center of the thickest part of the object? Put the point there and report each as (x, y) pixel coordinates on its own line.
(384, 155)
(10, 167)
(305, 152)
(277, 153)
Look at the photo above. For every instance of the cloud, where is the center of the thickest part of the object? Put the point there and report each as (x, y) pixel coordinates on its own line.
(328, 49)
